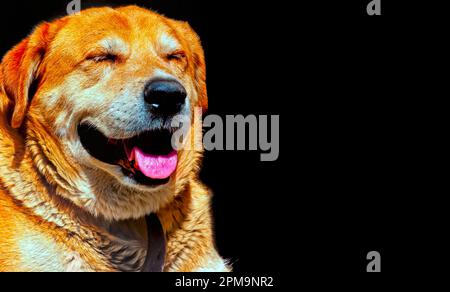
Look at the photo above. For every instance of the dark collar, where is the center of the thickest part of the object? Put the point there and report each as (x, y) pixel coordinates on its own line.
(156, 246)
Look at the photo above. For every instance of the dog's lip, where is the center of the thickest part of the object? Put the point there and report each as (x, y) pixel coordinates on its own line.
(112, 151)
(113, 138)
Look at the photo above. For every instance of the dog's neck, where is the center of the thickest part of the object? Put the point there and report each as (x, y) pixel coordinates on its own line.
(118, 245)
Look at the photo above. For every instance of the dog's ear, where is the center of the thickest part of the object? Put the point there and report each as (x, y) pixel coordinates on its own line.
(20, 68)
(198, 56)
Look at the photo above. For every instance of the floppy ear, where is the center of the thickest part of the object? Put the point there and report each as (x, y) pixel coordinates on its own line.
(20, 68)
(198, 56)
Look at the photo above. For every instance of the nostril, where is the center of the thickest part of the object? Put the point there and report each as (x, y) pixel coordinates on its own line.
(165, 96)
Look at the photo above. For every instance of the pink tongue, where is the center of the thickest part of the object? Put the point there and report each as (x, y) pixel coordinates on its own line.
(154, 166)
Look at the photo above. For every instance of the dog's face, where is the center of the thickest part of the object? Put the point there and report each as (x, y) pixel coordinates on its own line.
(109, 83)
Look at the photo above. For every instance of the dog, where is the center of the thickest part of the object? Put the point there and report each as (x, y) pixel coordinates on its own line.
(86, 109)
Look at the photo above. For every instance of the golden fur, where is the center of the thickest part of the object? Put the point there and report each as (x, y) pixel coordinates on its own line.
(62, 210)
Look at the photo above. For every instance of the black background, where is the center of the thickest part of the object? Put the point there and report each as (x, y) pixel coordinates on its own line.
(342, 185)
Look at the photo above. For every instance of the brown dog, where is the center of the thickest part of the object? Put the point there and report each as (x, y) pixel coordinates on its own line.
(86, 104)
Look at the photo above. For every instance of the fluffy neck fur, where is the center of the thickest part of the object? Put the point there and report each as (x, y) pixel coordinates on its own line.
(35, 184)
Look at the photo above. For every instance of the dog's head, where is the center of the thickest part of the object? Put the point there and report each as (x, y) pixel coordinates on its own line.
(96, 94)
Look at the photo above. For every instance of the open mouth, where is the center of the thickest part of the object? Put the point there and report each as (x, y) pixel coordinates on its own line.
(148, 158)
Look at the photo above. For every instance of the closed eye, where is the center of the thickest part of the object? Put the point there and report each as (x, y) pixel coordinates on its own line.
(177, 56)
(103, 58)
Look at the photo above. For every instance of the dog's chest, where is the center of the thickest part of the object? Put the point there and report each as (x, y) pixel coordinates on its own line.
(39, 252)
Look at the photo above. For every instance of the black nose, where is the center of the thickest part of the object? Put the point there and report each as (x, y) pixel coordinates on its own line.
(165, 96)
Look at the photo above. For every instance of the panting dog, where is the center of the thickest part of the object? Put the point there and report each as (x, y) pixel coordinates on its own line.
(86, 109)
